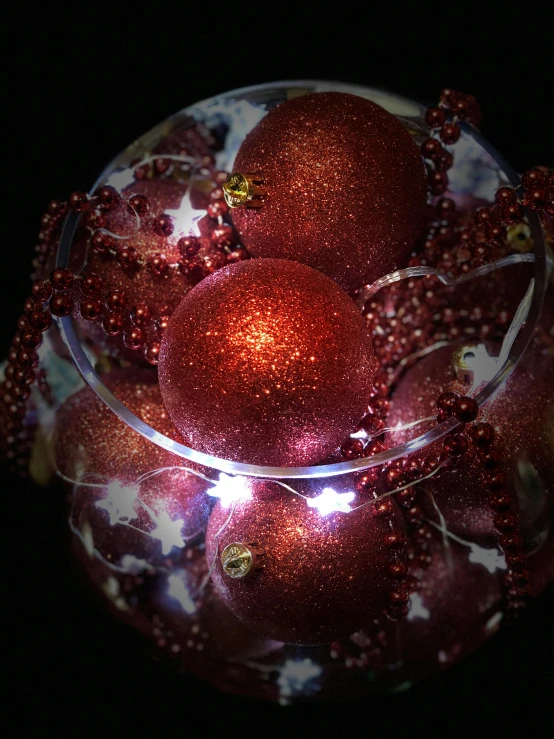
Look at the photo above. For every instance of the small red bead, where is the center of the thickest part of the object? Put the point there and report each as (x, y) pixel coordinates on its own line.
(163, 225)
(455, 444)
(113, 323)
(450, 133)
(30, 339)
(393, 478)
(406, 497)
(116, 300)
(500, 502)
(12, 357)
(466, 409)
(163, 322)
(414, 514)
(138, 204)
(510, 542)
(239, 254)
(41, 290)
(127, 257)
(101, 242)
(141, 314)
(395, 540)
(505, 195)
(516, 560)
(91, 309)
(447, 401)
(78, 202)
(27, 358)
(352, 448)
(217, 209)
(152, 352)
(40, 320)
(398, 570)
(189, 246)
(223, 236)
(435, 117)
(91, 283)
(438, 182)
(62, 279)
(61, 304)
(444, 162)
(431, 148)
(533, 179)
(158, 265)
(384, 508)
(449, 97)
(494, 481)
(511, 213)
(506, 523)
(535, 199)
(57, 208)
(31, 304)
(23, 376)
(490, 459)
(482, 435)
(94, 220)
(399, 597)
(108, 197)
(135, 338)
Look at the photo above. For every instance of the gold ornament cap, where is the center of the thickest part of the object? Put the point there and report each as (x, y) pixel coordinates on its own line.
(238, 559)
(244, 190)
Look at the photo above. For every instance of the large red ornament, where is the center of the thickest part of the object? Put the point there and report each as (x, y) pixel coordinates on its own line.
(266, 362)
(522, 413)
(345, 187)
(131, 500)
(317, 572)
(455, 606)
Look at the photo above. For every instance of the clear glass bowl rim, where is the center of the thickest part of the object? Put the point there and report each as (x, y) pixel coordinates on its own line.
(85, 368)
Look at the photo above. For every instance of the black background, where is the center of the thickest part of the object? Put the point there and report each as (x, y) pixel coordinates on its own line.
(83, 81)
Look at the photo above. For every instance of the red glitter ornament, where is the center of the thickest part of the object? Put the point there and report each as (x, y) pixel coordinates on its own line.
(266, 362)
(317, 573)
(455, 605)
(90, 438)
(522, 416)
(345, 187)
(123, 494)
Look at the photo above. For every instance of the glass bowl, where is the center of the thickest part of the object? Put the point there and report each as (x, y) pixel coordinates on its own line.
(168, 595)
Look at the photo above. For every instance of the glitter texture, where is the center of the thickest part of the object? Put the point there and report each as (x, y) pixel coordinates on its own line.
(323, 576)
(522, 414)
(346, 187)
(141, 286)
(89, 437)
(266, 362)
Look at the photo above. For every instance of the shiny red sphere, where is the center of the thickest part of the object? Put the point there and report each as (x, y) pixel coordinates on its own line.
(346, 187)
(266, 362)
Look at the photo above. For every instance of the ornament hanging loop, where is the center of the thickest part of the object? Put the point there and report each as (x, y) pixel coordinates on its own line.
(244, 190)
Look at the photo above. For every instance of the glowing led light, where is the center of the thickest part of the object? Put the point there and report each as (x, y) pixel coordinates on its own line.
(295, 675)
(168, 532)
(492, 559)
(417, 609)
(177, 589)
(330, 501)
(230, 489)
(119, 502)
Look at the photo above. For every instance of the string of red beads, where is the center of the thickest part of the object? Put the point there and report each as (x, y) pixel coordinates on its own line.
(506, 520)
